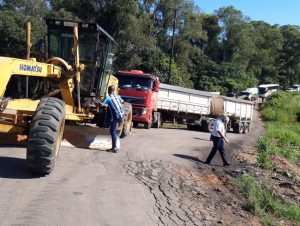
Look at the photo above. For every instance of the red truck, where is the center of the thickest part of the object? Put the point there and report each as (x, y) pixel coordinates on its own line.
(141, 89)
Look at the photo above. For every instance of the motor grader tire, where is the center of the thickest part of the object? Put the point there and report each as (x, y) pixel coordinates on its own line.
(124, 132)
(127, 123)
(45, 135)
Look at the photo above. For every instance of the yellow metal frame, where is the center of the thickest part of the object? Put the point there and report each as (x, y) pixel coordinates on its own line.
(17, 118)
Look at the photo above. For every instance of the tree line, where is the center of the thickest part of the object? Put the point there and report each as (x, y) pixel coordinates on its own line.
(225, 51)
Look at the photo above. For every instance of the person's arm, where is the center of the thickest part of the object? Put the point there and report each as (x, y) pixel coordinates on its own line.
(223, 136)
(98, 102)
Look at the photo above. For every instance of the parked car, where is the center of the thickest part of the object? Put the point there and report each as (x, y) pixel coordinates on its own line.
(249, 94)
(296, 87)
(232, 95)
(290, 90)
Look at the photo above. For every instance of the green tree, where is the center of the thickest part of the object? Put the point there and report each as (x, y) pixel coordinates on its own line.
(268, 41)
(289, 60)
(237, 38)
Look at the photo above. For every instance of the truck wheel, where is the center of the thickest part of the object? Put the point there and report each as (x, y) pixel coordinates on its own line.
(135, 124)
(45, 135)
(157, 124)
(245, 129)
(211, 125)
(204, 125)
(147, 125)
(191, 127)
(241, 128)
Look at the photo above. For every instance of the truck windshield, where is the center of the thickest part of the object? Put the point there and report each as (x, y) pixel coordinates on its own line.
(262, 90)
(134, 82)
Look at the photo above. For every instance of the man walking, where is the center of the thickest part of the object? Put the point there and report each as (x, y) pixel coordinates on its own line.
(115, 114)
(218, 136)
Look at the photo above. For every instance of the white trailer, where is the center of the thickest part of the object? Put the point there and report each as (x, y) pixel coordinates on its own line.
(199, 108)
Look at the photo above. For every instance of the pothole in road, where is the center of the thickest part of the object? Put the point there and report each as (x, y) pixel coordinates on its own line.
(190, 196)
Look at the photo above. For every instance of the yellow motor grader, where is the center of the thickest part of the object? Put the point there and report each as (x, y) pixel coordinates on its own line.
(77, 62)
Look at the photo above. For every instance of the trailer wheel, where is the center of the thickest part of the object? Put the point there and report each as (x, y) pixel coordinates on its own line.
(45, 135)
(204, 126)
(211, 125)
(241, 128)
(246, 127)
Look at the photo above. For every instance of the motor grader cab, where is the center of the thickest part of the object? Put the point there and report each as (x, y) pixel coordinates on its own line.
(79, 62)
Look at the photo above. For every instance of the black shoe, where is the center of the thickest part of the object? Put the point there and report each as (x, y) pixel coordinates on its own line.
(227, 164)
(110, 150)
(115, 150)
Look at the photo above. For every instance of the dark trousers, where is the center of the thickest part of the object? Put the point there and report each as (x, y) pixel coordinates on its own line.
(113, 132)
(218, 145)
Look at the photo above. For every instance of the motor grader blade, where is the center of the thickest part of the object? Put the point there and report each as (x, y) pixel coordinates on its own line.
(87, 136)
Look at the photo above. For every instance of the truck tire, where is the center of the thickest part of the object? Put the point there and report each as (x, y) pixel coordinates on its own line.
(246, 127)
(135, 124)
(191, 127)
(205, 125)
(241, 128)
(45, 135)
(147, 125)
(157, 124)
(211, 125)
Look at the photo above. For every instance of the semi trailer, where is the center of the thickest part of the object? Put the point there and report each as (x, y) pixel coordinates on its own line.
(199, 109)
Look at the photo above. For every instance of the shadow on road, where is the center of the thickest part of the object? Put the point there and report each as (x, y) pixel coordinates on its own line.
(191, 158)
(14, 168)
(197, 138)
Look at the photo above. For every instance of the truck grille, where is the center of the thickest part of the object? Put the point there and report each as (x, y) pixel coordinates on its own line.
(134, 100)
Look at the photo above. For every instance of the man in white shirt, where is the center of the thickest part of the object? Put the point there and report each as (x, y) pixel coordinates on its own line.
(218, 136)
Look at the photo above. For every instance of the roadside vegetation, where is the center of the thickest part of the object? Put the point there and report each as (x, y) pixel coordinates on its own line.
(263, 203)
(281, 139)
(282, 136)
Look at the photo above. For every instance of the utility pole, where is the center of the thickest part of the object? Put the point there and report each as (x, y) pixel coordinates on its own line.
(172, 46)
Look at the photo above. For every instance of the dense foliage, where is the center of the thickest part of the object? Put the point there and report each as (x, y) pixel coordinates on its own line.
(282, 136)
(224, 51)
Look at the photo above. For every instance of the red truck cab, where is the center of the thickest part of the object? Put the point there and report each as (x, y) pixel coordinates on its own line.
(141, 90)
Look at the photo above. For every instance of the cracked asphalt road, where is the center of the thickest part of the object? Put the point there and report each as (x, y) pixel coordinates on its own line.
(158, 178)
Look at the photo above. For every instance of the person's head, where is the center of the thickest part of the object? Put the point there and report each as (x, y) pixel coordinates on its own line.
(223, 117)
(111, 89)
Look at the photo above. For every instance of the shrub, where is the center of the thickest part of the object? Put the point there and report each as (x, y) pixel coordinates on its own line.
(262, 202)
(282, 135)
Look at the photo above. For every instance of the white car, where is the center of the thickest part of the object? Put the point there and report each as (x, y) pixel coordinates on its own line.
(290, 90)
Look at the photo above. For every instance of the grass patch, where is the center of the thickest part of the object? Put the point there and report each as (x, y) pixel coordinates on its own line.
(282, 136)
(263, 203)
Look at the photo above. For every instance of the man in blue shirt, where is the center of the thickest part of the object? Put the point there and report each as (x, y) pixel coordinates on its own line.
(115, 114)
